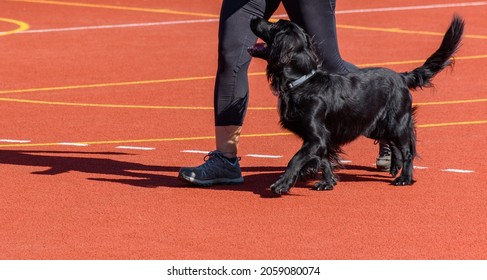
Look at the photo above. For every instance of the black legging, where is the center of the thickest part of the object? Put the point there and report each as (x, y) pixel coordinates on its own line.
(317, 17)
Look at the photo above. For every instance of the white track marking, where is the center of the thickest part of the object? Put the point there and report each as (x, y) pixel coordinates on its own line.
(413, 8)
(420, 167)
(212, 20)
(128, 25)
(73, 144)
(195, 151)
(342, 161)
(135, 148)
(457, 170)
(14, 141)
(263, 156)
(206, 152)
(249, 155)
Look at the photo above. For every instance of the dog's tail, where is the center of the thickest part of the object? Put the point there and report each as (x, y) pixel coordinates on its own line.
(442, 58)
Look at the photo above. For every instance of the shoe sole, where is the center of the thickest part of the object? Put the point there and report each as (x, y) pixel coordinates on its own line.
(383, 167)
(207, 183)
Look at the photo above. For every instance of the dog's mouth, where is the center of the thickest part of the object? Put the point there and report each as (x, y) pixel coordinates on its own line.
(259, 50)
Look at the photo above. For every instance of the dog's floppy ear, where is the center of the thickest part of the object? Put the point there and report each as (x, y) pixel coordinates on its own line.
(293, 45)
(282, 49)
(289, 43)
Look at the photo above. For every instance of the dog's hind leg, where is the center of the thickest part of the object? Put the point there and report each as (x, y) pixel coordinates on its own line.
(406, 143)
(406, 177)
(396, 159)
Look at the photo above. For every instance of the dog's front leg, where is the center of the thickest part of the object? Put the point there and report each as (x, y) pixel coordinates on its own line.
(329, 180)
(299, 160)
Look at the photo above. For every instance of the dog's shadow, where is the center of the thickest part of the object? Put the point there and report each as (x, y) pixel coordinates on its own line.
(104, 169)
(370, 174)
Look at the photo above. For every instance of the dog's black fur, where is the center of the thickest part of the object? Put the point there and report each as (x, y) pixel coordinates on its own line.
(329, 110)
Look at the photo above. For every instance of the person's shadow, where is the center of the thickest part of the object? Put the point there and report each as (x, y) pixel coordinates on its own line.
(134, 174)
(146, 176)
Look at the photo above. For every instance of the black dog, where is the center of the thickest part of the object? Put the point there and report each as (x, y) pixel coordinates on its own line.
(329, 110)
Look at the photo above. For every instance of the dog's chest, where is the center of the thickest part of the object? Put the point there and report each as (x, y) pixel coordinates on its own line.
(292, 116)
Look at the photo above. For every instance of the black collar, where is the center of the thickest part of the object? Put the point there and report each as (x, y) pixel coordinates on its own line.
(301, 80)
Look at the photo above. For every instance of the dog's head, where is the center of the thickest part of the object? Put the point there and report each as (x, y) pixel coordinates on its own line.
(284, 40)
(289, 51)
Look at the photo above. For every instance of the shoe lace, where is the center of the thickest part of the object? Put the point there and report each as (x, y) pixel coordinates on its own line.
(214, 155)
(384, 150)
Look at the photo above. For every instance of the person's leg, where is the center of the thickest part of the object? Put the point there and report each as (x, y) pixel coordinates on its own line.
(227, 139)
(231, 91)
(317, 18)
(231, 85)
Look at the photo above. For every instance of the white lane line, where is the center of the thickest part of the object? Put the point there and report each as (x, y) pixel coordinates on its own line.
(14, 141)
(206, 152)
(248, 155)
(409, 8)
(195, 151)
(263, 156)
(420, 167)
(127, 25)
(149, 24)
(457, 170)
(135, 148)
(73, 144)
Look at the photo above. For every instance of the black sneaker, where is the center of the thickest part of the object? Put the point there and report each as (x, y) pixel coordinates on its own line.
(216, 170)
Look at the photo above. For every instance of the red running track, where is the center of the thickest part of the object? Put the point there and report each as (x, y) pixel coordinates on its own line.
(131, 86)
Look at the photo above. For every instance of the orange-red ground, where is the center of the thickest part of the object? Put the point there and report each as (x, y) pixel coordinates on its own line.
(151, 87)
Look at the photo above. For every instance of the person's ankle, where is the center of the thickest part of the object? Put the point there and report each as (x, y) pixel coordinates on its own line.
(232, 160)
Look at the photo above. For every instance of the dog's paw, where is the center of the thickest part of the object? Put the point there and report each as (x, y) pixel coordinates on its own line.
(403, 181)
(279, 189)
(282, 185)
(324, 186)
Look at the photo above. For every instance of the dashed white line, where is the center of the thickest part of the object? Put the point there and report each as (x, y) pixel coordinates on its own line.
(248, 155)
(14, 141)
(263, 156)
(73, 144)
(195, 151)
(457, 170)
(420, 167)
(342, 161)
(453, 170)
